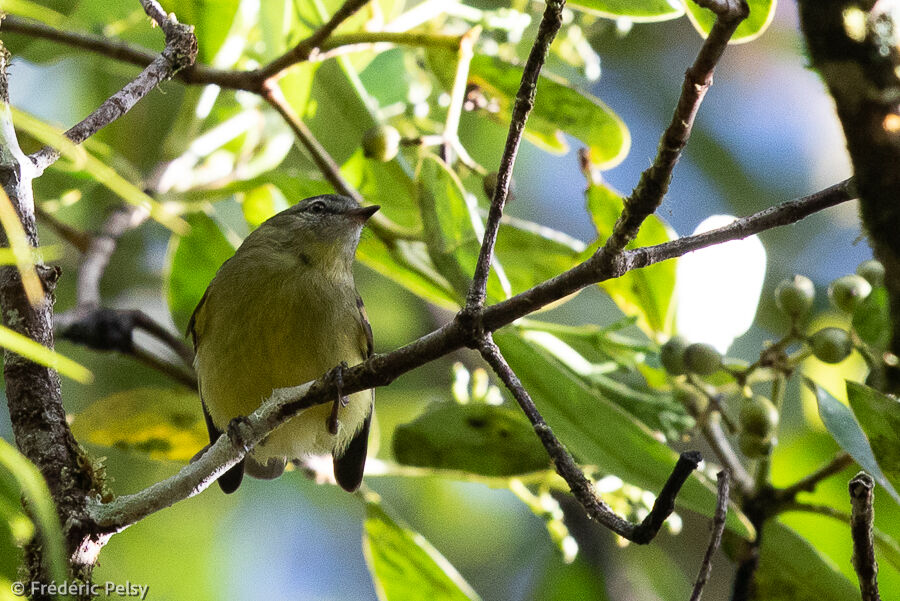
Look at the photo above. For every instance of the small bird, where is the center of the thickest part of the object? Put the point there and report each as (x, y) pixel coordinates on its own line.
(283, 311)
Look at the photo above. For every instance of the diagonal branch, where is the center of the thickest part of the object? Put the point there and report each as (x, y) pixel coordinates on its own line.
(566, 467)
(808, 484)
(862, 517)
(654, 182)
(549, 26)
(180, 51)
(715, 539)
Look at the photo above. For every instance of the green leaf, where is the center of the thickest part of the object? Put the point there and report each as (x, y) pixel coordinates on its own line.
(647, 292)
(602, 434)
(657, 410)
(879, 416)
(635, 10)
(761, 14)
(386, 184)
(40, 354)
(33, 10)
(872, 320)
(846, 431)
(191, 263)
(532, 253)
(791, 569)
(404, 566)
(558, 108)
(262, 202)
(477, 438)
(97, 169)
(161, 423)
(40, 503)
(211, 19)
(408, 264)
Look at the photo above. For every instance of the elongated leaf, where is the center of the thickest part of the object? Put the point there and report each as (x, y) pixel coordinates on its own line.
(791, 569)
(558, 108)
(602, 434)
(158, 422)
(408, 264)
(386, 184)
(449, 236)
(643, 293)
(872, 320)
(531, 253)
(405, 567)
(191, 263)
(477, 438)
(21, 250)
(846, 431)
(879, 416)
(31, 350)
(35, 490)
(761, 14)
(97, 169)
(33, 10)
(211, 19)
(635, 10)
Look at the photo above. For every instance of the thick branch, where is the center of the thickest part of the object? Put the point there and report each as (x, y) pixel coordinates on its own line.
(854, 46)
(578, 483)
(862, 517)
(180, 51)
(549, 26)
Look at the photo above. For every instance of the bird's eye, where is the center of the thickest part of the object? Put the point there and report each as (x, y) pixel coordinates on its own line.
(317, 207)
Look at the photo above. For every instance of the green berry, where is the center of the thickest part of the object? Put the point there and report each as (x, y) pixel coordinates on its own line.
(847, 292)
(702, 359)
(692, 399)
(671, 355)
(381, 143)
(759, 417)
(753, 446)
(872, 271)
(831, 345)
(794, 297)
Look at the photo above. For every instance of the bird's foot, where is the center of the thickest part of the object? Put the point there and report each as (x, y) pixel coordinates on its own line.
(239, 431)
(336, 375)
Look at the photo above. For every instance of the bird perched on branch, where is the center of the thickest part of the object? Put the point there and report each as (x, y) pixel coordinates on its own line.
(283, 311)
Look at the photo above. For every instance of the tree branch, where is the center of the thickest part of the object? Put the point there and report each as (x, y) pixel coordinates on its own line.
(654, 182)
(578, 483)
(715, 437)
(862, 517)
(715, 539)
(180, 51)
(199, 74)
(808, 484)
(549, 26)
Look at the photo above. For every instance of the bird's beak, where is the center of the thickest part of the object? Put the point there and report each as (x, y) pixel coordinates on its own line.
(362, 214)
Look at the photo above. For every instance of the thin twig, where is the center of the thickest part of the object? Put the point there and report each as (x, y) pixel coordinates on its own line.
(566, 467)
(384, 228)
(862, 517)
(715, 539)
(808, 484)
(549, 26)
(73, 236)
(310, 45)
(654, 182)
(180, 51)
(199, 74)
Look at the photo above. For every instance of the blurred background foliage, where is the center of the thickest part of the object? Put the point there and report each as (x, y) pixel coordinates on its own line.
(456, 463)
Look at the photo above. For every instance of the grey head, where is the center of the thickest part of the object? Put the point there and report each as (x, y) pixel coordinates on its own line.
(325, 228)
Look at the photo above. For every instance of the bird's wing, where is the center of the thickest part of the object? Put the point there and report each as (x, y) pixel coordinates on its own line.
(230, 480)
(349, 467)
